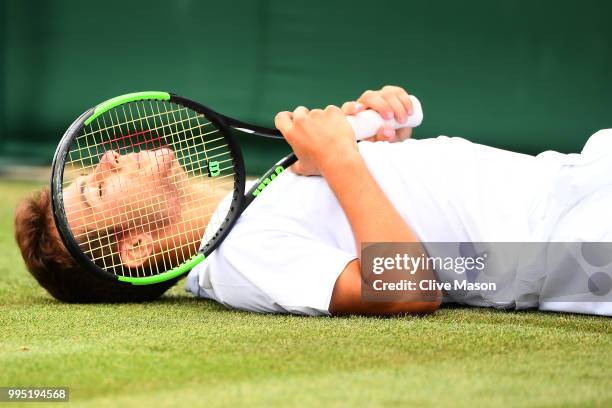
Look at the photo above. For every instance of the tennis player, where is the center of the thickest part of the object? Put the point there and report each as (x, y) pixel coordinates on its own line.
(296, 248)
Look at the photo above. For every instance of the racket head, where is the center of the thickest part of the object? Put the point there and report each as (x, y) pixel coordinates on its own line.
(161, 157)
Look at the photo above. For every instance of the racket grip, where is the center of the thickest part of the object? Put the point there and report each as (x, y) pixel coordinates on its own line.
(367, 123)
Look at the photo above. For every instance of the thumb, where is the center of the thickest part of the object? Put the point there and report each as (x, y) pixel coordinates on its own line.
(386, 133)
(283, 121)
(296, 167)
(352, 107)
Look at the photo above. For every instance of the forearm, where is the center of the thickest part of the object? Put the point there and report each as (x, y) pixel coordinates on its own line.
(371, 215)
(373, 218)
(324, 143)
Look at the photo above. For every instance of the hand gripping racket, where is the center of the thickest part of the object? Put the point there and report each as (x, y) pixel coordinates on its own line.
(136, 180)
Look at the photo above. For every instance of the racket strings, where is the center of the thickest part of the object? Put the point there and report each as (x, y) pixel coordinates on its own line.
(194, 233)
(126, 130)
(156, 223)
(141, 204)
(147, 202)
(96, 254)
(109, 143)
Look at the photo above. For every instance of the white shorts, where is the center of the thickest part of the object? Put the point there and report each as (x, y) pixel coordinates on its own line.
(566, 263)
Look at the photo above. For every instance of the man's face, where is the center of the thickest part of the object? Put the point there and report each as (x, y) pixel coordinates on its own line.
(128, 194)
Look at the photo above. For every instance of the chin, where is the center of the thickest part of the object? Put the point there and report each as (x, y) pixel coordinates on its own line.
(176, 172)
(175, 182)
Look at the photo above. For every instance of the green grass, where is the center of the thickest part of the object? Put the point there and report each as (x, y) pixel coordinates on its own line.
(183, 351)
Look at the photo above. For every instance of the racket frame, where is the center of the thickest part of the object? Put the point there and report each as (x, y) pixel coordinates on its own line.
(239, 200)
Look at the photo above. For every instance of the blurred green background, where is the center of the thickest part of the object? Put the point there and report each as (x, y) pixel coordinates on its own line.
(518, 74)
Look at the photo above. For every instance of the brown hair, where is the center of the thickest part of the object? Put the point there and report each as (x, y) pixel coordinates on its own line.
(51, 264)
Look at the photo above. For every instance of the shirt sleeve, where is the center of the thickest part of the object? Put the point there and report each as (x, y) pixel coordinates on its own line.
(266, 269)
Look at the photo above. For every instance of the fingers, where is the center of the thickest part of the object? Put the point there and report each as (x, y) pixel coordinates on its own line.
(303, 169)
(300, 114)
(403, 134)
(399, 99)
(386, 133)
(352, 107)
(287, 122)
(406, 101)
(296, 167)
(390, 102)
(332, 109)
(283, 121)
(398, 107)
(375, 100)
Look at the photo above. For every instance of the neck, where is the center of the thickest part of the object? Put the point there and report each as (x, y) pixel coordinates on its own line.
(198, 201)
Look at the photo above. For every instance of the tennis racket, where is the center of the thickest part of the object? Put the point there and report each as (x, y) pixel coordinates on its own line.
(136, 180)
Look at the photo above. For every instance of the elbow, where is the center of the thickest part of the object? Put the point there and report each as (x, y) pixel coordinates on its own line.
(347, 298)
(427, 303)
(427, 307)
(431, 301)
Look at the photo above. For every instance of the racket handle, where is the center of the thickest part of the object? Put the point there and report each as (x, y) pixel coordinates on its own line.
(367, 123)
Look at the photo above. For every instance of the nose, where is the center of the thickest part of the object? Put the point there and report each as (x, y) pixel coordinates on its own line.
(108, 162)
(110, 158)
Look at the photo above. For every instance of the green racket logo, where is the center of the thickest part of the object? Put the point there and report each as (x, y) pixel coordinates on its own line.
(213, 169)
(268, 179)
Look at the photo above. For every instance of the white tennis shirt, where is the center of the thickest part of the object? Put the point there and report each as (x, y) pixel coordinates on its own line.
(289, 247)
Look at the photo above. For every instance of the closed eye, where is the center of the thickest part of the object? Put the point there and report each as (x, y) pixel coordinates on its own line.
(100, 189)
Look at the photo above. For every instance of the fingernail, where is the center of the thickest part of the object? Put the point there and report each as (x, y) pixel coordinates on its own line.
(358, 106)
(403, 119)
(409, 112)
(388, 115)
(388, 132)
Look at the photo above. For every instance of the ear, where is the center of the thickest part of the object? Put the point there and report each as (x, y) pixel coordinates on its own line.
(135, 248)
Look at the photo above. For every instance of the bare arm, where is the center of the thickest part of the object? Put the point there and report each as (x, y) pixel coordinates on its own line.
(324, 143)
(359, 195)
